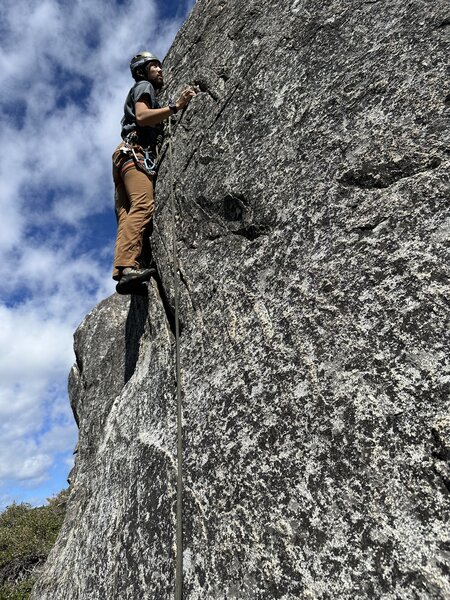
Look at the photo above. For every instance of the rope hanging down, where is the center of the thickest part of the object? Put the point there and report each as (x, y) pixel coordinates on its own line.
(179, 515)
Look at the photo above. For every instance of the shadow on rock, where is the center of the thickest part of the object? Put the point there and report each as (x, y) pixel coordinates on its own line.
(134, 328)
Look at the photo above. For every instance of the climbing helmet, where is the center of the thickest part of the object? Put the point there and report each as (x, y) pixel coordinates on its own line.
(142, 58)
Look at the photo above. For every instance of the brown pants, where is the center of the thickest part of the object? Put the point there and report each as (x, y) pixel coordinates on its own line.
(134, 207)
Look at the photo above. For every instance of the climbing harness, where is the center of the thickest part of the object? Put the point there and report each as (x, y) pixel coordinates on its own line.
(179, 513)
(149, 162)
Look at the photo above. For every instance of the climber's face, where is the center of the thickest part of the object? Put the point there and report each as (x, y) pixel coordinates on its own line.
(155, 75)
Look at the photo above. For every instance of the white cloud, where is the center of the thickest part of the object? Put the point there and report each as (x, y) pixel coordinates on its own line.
(63, 140)
(63, 81)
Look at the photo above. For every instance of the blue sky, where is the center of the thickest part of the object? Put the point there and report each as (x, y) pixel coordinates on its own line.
(63, 81)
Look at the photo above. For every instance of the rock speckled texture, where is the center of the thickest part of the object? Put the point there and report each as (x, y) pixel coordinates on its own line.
(312, 194)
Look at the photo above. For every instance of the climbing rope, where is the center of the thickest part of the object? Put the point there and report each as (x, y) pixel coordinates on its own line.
(179, 516)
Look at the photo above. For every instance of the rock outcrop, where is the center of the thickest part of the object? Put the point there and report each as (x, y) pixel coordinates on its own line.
(312, 192)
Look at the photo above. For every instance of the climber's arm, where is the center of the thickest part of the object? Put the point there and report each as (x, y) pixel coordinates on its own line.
(146, 116)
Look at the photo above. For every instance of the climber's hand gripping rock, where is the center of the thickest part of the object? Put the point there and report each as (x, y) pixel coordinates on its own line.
(185, 97)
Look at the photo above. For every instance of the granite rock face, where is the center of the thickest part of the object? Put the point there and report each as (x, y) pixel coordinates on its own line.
(313, 224)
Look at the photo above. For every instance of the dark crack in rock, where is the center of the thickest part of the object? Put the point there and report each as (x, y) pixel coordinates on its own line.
(313, 225)
(384, 174)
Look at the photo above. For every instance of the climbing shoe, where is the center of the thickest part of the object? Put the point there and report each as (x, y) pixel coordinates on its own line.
(131, 279)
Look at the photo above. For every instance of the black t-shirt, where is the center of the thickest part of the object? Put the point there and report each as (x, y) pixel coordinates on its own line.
(147, 136)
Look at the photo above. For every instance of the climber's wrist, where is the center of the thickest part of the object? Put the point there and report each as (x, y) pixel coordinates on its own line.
(173, 107)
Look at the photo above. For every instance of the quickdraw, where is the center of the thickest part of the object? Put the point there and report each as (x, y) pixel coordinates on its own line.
(149, 162)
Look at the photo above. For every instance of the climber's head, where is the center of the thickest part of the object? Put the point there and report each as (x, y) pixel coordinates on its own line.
(146, 66)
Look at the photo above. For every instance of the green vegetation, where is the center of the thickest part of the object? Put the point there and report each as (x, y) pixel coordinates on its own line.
(26, 537)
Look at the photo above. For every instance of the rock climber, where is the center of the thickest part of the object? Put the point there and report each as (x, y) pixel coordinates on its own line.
(134, 166)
